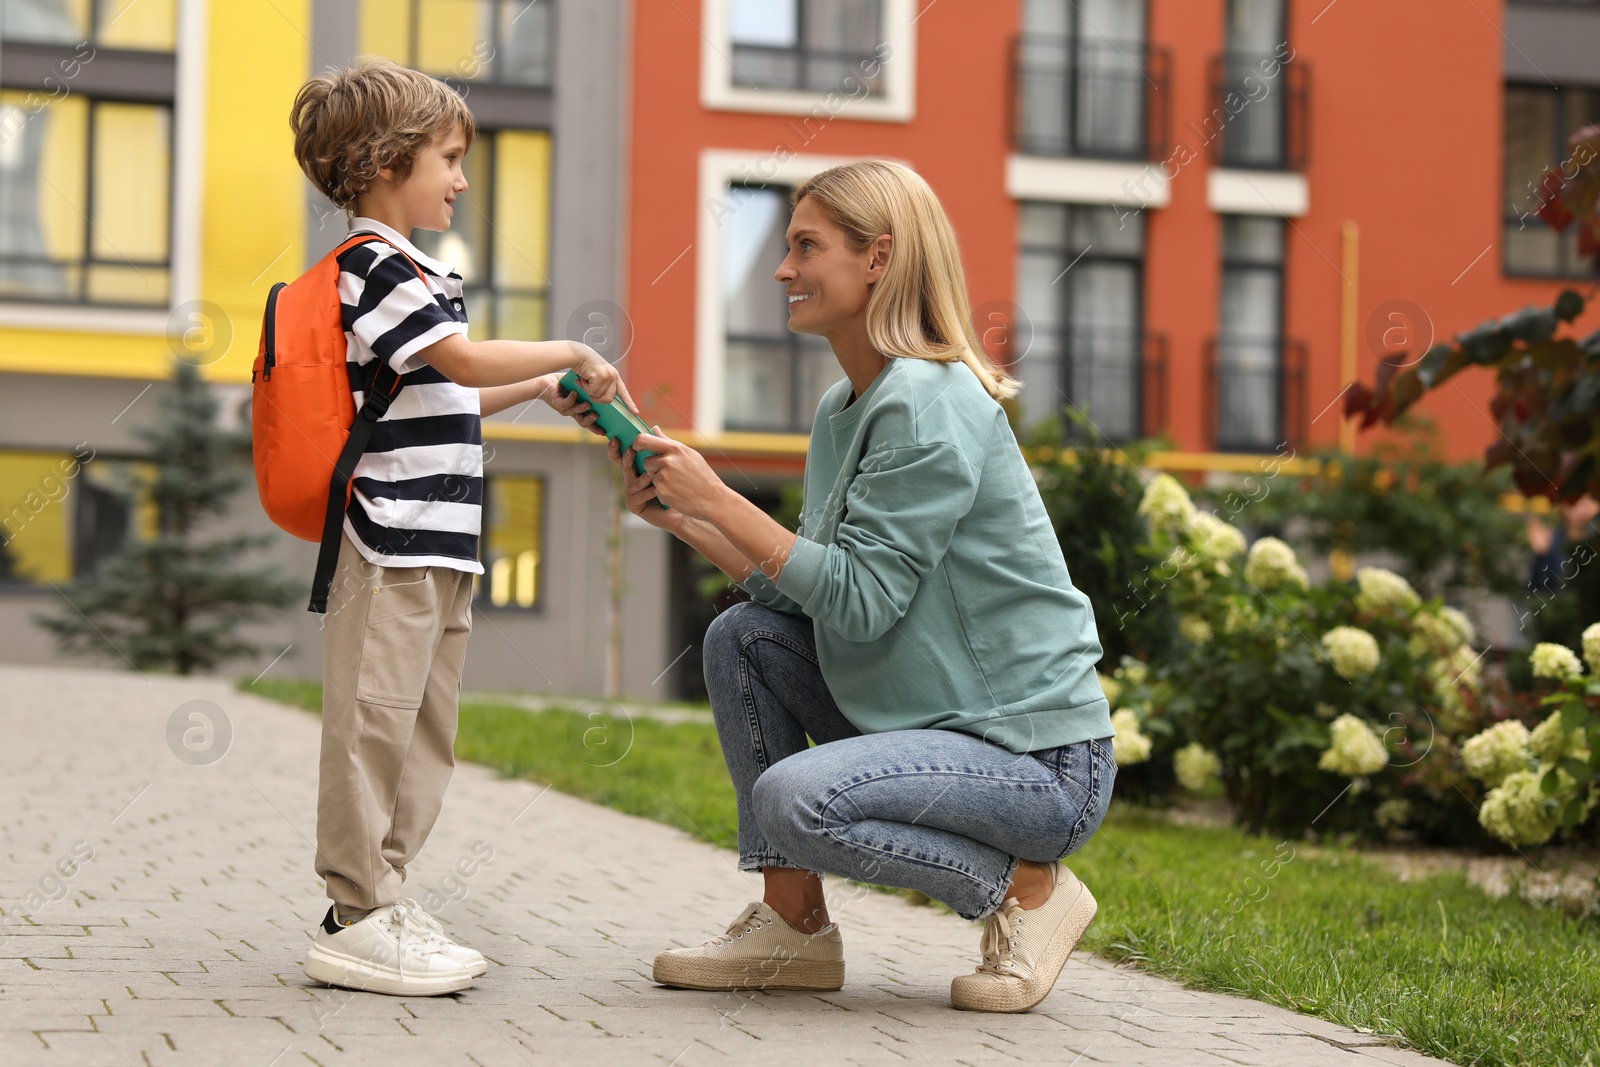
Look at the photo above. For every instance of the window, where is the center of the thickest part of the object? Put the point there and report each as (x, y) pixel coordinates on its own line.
(1259, 94)
(513, 541)
(806, 44)
(775, 378)
(1247, 363)
(146, 25)
(64, 512)
(504, 42)
(1083, 81)
(826, 59)
(499, 240)
(86, 148)
(1080, 283)
(1538, 122)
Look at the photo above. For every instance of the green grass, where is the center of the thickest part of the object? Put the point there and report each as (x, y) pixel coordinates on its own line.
(1321, 930)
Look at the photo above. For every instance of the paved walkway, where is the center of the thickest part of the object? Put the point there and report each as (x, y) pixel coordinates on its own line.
(180, 940)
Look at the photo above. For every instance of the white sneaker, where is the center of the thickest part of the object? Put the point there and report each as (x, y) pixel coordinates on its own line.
(758, 951)
(390, 951)
(470, 958)
(1024, 951)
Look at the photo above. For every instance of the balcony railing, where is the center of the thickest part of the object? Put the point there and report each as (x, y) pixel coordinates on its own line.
(1117, 378)
(1094, 99)
(1254, 394)
(1258, 122)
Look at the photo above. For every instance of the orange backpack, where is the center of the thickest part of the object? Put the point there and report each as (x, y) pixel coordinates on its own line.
(305, 432)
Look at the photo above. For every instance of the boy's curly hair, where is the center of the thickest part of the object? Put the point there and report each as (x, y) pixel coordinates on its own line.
(374, 113)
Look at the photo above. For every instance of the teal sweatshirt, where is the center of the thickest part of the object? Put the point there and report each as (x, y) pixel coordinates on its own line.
(931, 572)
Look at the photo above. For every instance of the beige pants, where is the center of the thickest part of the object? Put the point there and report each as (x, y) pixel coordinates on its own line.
(393, 643)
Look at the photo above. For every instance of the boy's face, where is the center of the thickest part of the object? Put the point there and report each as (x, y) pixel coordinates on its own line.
(426, 195)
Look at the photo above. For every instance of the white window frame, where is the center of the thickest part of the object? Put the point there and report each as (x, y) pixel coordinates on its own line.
(897, 104)
(188, 161)
(1087, 181)
(720, 168)
(1255, 192)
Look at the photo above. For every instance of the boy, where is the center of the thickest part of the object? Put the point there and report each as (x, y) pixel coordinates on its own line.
(385, 144)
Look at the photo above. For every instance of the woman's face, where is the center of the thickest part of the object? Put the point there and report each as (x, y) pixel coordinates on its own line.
(827, 283)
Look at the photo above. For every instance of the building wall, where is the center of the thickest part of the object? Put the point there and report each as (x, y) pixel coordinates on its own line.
(1405, 142)
(255, 222)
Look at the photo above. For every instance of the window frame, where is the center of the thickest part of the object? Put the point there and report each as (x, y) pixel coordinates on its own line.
(1281, 371)
(719, 169)
(1141, 336)
(472, 292)
(454, 78)
(483, 591)
(87, 260)
(1558, 154)
(187, 103)
(897, 103)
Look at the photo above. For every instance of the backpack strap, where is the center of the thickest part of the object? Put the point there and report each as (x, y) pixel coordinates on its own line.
(382, 386)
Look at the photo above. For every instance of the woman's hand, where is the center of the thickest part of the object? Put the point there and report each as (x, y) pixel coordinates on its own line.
(682, 479)
(640, 495)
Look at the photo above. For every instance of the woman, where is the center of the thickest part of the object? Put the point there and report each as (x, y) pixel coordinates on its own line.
(920, 628)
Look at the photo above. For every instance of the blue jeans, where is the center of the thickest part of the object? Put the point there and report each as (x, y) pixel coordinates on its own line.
(939, 811)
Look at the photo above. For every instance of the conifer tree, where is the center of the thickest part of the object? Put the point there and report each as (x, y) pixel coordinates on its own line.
(175, 600)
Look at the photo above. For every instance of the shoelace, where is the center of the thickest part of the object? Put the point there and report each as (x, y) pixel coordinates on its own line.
(999, 939)
(425, 920)
(744, 924)
(413, 922)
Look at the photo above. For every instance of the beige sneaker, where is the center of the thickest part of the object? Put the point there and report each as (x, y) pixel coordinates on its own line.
(759, 951)
(1024, 951)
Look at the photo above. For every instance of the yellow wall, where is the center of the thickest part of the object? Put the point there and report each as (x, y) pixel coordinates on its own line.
(252, 200)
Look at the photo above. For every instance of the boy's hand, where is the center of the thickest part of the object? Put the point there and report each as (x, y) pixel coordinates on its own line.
(571, 405)
(600, 379)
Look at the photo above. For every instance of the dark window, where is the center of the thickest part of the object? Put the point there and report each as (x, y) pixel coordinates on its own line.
(1085, 80)
(1258, 107)
(1080, 282)
(1538, 122)
(807, 45)
(1247, 364)
(774, 378)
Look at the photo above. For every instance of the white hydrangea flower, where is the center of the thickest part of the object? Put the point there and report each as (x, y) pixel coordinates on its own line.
(1465, 667)
(1393, 814)
(1128, 745)
(1518, 812)
(1458, 618)
(1132, 671)
(1240, 618)
(1194, 629)
(1166, 504)
(1591, 647)
(1384, 590)
(1355, 750)
(1271, 563)
(1433, 634)
(1497, 753)
(1212, 539)
(1110, 687)
(1325, 710)
(1552, 744)
(1353, 651)
(1196, 766)
(1554, 661)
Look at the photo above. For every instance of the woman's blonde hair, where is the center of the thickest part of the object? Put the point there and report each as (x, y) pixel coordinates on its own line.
(374, 113)
(919, 309)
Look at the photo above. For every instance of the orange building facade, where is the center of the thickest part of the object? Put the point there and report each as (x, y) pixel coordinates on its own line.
(1263, 197)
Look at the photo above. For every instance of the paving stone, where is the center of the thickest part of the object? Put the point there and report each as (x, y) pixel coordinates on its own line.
(179, 943)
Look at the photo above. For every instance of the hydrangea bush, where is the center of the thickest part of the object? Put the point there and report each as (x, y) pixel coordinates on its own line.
(1318, 705)
(1544, 780)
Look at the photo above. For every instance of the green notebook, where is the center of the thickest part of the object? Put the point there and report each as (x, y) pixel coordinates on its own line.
(620, 424)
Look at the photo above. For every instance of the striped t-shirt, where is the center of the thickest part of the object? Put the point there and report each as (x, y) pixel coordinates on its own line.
(418, 491)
